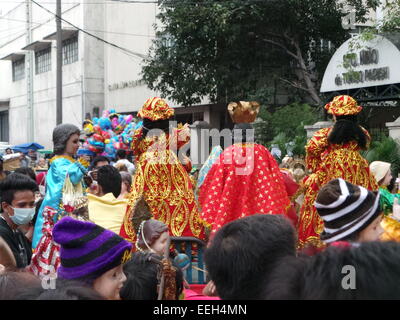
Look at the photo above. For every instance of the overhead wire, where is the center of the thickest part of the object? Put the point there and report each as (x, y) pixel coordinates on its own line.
(103, 31)
(125, 50)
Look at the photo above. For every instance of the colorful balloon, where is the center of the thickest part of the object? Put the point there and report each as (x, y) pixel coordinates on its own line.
(98, 137)
(105, 123)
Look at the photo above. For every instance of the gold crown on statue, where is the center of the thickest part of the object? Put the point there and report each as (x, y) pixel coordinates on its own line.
(243, 111)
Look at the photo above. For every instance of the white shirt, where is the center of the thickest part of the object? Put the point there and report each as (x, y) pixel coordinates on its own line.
(129, 165)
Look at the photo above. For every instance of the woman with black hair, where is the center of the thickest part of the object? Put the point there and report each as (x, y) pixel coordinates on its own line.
(333, 153)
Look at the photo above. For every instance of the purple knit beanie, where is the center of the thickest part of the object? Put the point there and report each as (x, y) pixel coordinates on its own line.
(88, 250)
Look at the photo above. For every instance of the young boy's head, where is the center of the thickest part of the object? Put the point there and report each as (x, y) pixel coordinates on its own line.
(109, 180)
(17, 194)
(382, 173)
(244, 251)
(350, 213)
(92, 254)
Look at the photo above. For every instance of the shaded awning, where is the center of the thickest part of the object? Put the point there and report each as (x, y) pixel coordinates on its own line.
(65, 34)
(25, 147)
(37, 45)
(4, 102)
(13, 56)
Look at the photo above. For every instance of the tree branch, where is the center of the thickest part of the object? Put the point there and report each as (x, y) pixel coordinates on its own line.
(282, 47)
(293, 84)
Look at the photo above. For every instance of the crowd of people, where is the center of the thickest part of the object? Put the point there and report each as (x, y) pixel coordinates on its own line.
(96, 228)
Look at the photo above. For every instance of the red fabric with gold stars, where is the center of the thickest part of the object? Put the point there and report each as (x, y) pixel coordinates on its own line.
(327, 162)
(245, 180)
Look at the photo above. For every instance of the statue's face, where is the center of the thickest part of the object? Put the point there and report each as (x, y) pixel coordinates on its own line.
(72, 145)
(160, 244)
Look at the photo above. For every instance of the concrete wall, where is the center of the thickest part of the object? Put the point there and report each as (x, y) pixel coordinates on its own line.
(129, 26)
(93, 50)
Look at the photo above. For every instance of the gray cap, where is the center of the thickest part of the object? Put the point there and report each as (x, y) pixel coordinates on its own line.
(61, 134)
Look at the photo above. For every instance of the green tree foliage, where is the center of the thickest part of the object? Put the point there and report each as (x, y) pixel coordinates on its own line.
(386, 149)
(389, 26)
(285, 127)
(230, 49)
(391, 19)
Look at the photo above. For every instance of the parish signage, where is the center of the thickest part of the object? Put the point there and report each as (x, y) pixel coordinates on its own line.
(376, 63)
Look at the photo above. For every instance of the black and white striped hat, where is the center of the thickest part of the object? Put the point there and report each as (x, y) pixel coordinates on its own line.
(346, 209)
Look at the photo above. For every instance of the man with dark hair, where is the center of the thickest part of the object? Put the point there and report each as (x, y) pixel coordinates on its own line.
(367, 272)
(99, 161)
(122, 158)
(104, 207)
(109, 180)
(17, 194)
(244, 251)
(27, 171)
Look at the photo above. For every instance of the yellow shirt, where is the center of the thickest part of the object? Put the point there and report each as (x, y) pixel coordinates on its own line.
(107, 211)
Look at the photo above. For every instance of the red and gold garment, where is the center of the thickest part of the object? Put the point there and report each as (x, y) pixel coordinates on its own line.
(291, 189)
(245, 180)
(328, 162)
(165, 185)
(46, 258)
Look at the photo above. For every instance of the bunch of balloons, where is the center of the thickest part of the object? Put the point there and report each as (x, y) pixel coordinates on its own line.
(105, 135)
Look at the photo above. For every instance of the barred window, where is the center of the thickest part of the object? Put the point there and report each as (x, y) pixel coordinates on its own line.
(18, 69)
(70, 50)
(4, 126)
(43, 60)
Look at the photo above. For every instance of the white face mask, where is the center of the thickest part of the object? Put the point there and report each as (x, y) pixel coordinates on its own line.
(22, 215)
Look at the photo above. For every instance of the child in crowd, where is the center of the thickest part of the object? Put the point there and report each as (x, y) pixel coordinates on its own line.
(351, 213)
(383, 175)
(389, 201)
(92, 255)
(125, 185)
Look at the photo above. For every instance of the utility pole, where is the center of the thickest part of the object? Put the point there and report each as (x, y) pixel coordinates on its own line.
(59, 65)
(29, 73)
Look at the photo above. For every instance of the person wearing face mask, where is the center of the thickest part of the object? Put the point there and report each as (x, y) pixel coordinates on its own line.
(17, 194)
(64, 180)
